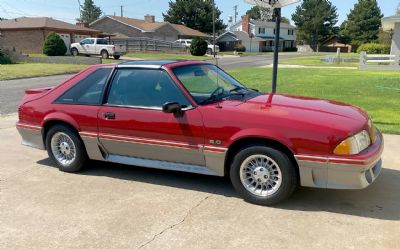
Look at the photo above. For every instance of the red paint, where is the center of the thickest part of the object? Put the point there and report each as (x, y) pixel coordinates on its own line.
(306, 126)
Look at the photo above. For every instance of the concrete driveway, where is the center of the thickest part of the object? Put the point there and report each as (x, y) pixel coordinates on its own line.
(116, 206)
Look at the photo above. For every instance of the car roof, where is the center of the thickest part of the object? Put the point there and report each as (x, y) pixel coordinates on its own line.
(155, 64)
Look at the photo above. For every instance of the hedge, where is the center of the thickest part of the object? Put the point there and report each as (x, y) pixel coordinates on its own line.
(374, 48)
(54, 45)
(198, 47)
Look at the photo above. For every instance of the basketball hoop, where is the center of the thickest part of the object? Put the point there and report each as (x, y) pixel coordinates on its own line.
(275, 7)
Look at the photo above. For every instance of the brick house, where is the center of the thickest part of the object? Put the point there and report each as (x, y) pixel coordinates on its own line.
(333, 43)
(27, 34)
(148, 27)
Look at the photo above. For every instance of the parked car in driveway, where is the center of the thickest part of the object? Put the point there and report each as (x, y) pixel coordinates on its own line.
(188, 42)
(97, 46)
(192, 116)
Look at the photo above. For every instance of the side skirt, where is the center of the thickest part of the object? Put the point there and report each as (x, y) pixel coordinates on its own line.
(155, 164)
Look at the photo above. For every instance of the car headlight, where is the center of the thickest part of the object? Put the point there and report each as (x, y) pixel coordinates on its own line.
(354, 144)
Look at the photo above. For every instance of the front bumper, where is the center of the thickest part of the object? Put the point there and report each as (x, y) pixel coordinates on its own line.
(352, 172)
(31, 135)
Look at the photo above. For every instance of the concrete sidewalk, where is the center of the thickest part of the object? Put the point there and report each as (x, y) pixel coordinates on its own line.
(116, 206)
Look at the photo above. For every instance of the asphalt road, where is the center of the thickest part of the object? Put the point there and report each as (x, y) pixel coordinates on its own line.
(114, 206)
(12, 91)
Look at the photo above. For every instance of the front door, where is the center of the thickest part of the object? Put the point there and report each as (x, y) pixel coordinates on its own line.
(132, 123)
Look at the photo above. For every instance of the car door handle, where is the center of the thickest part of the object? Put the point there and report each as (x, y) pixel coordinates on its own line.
(109, 115)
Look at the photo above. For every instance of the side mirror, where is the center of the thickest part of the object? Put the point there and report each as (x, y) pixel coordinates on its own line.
(173, 107)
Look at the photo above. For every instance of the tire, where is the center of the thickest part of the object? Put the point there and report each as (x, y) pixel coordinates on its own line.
(68, 141)
(267, 189)
(117, 57)
(74, 52)
(104, 54)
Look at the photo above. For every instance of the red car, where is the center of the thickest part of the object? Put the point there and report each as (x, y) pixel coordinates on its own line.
(191, 116)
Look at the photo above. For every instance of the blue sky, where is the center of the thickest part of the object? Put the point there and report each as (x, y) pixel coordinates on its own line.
(69, 10)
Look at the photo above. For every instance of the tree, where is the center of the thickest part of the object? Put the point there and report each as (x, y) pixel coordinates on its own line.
(54, 45)
(261, 13)
(398, 10)
(363, 22)
(89, 12)
(315, 21)
(194, 14)
(198, 47)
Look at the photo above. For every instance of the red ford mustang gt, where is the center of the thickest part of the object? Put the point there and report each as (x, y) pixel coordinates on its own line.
(193, 117)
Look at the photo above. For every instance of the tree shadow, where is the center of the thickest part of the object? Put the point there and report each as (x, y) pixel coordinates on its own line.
(381, 200)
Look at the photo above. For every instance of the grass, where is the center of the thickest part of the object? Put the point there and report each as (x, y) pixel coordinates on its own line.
(24, 70)
(316, 61)
(165, 56)
(376, 92)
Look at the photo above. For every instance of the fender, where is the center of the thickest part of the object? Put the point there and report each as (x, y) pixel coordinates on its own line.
(59, 116)
(261, 133)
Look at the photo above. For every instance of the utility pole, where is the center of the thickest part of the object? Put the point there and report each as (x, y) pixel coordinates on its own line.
(213, 3)
(235, 8)
(276, 50)
(80, 11)
(122, 11)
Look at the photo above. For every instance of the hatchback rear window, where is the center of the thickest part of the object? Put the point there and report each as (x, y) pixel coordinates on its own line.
(87, 91)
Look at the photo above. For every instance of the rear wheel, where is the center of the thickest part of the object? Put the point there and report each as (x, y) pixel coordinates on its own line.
(117, 57)
(74, 52)
(66, 148)
(263, 175)
(104, 54)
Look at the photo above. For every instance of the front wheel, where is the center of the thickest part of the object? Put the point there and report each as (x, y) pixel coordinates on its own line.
(74, 52)
(66, 148)
(263, 175)
(104, 54)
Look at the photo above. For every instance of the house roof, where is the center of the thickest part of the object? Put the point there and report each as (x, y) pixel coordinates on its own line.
(41, 23)
(152, 26)
(270, 24)
(389, 22)
(240, 36)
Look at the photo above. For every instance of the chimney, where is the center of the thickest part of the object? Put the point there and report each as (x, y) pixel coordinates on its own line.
(82, 24)
(149, 18)
(246, 24)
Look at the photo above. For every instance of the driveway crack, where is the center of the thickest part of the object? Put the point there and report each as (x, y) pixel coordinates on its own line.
(175, 224)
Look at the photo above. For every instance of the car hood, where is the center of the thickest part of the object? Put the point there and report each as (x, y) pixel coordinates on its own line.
(305, 110)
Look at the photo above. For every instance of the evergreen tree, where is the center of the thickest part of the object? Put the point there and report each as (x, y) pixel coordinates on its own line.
(315, 21)
(194, 14)
(398, 10)
(261, 13)
(89, 12)
(363, 22)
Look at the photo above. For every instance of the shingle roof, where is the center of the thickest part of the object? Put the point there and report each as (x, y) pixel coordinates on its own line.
(41, 22)
(151, 26)
(270, 24)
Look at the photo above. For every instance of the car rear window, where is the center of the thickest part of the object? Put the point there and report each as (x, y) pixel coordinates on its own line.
(102, 41)
(87, 91)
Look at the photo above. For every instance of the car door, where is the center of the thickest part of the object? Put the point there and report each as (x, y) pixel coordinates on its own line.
(132, 124)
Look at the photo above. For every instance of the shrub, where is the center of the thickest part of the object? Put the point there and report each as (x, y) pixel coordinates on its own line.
(374, 48)
(54, 45)
(198, 47)
(290, 49)
(4, 58)
(240, 48)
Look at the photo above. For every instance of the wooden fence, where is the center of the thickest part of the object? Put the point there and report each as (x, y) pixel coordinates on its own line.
(379, 62)
(137, 44)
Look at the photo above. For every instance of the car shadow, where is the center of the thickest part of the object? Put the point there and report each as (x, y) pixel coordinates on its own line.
(379, 201)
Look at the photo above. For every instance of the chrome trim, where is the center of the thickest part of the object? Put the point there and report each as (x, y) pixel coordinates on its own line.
(329, 159)
(156, 164)
(140, 66)
(153, 108)
(27, 126)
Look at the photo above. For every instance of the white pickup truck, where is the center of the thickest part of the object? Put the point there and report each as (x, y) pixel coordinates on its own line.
(97, 46)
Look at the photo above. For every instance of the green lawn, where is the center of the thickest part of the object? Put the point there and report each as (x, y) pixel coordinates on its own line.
(165, 56)
(316, 61)
(375, 91)
(24, 70)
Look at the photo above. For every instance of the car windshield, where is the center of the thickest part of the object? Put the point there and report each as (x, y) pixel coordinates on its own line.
(208, 83)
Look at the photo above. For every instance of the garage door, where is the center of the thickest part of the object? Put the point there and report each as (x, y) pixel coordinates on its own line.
(67, 40)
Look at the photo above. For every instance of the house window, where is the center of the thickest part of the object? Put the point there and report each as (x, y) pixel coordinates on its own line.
(290, 32)
(261, 30)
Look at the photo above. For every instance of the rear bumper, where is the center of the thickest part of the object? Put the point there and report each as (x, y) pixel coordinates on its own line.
(31, 135)
(335, 172)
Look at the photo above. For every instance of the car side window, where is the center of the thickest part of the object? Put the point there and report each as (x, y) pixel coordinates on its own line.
(146, 88)
(87, 91)
(102, 42)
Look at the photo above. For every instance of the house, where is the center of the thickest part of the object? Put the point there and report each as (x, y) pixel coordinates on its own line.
(263, 33)
(392, 24)
(333, 43)
(148, 27)
(27, 34)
